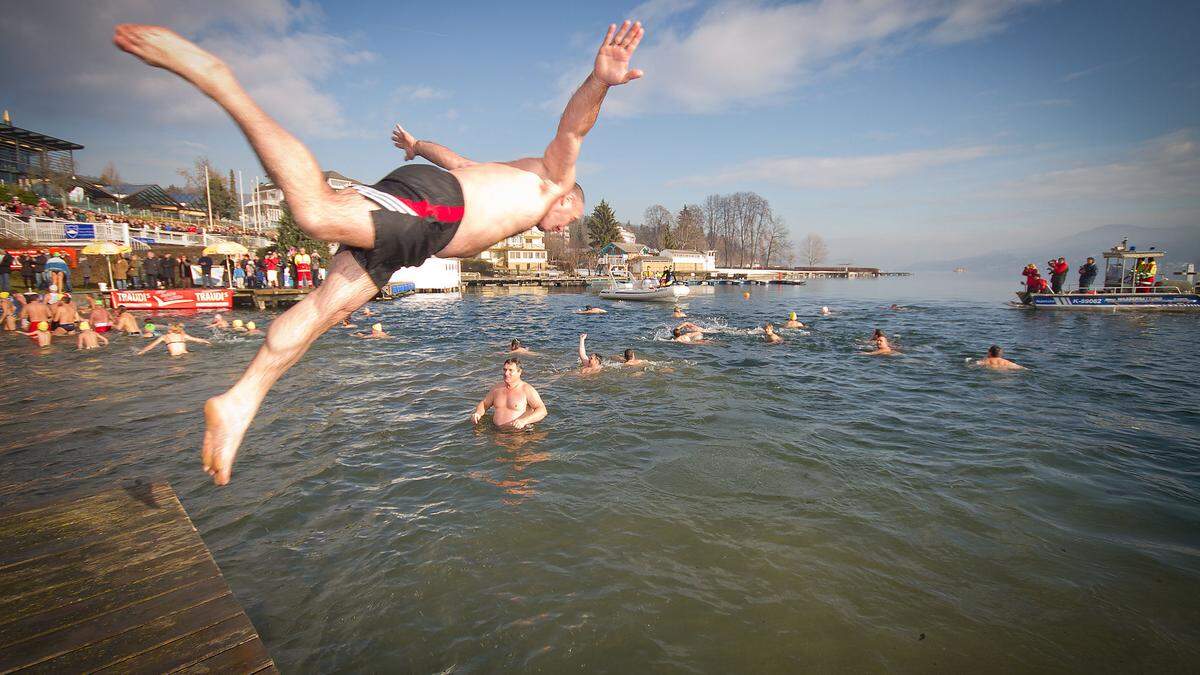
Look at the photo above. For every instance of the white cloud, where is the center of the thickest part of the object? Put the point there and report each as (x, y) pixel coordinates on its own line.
(1164, 167)
(280, 52)
(749, 53)
(837, 172)
(420, 92)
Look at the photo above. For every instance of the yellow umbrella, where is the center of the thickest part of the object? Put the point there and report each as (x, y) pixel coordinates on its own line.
(226, 248)
(106, 248)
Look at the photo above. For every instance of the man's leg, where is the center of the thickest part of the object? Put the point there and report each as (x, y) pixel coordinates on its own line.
(227, 416)
(323, 214)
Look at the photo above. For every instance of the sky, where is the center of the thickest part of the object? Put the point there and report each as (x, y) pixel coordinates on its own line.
(899, 131)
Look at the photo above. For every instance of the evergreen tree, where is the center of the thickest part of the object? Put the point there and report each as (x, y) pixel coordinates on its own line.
(290, 234)
(603, 227)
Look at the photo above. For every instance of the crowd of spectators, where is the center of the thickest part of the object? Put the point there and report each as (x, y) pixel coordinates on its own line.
(44, 209)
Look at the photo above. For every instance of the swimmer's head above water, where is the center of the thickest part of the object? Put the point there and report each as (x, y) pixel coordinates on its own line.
(514, 345)
(512, 371)
(995, 352)
(629, 355)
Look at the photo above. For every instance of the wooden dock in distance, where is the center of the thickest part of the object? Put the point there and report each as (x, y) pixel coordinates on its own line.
(117, 581)
(262, 298)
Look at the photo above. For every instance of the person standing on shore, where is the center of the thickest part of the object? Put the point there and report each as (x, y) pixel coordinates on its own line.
(121, 273)
(137, 270)
(271, 262)
(150, 268)
(6, 263)
(185, 272)
(27, 273)
(303, 269)
(206, 265)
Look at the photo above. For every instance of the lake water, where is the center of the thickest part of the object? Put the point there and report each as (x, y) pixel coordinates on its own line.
(735, 508)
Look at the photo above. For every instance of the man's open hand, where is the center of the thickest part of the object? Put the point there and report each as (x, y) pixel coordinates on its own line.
(612, 61)
(405, 141)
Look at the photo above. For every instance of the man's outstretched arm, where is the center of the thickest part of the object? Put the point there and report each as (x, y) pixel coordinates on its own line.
(611, 69)
(438, 154)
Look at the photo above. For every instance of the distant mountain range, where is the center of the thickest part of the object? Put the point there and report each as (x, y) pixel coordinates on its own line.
(1182, 245)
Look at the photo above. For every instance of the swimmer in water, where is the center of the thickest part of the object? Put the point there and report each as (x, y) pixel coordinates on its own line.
(65, 317)
(694, 337)
(689, 327)
(34, 312)
(770, 335)
(882, 346)
(678, 313)
(367, 312)
(995, 359)
(515, 347)
(252, 329)
(41, 334)
(630, 359)
(346, 324)
(100, 319)
(218, 323)
(588, 365)
(126, 322)
(792, 322)
(88, 338)
(148, 330)
(825, 311)
(588, 309)
(176, 341)
(375, 334)
(517, 403)
(238, 326)
(8, 312)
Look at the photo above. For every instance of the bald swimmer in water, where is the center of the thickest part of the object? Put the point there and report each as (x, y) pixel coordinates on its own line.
(517, 403)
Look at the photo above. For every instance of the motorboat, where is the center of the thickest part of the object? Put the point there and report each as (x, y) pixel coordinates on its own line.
(1123, 288)
(670, 293)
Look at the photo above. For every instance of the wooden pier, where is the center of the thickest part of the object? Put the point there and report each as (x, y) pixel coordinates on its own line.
(117, 581)
(261, 298)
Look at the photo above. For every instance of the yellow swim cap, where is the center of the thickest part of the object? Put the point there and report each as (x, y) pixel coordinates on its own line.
(377, 327)
(250, 326)
(237, 323)
(83, 325)
(150, 327)
(42, 325)
(3, 294)
(792, 316)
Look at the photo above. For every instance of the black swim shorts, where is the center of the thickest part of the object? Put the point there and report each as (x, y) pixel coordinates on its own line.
(422, 207)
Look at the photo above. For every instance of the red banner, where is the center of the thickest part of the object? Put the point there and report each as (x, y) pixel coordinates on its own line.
(184, 298)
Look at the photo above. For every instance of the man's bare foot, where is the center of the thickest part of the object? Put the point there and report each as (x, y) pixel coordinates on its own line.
(164, 48)
(226, 419)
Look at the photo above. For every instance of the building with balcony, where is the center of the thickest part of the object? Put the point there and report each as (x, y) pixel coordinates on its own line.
(690, 261)
(524, 252)
(27, 157)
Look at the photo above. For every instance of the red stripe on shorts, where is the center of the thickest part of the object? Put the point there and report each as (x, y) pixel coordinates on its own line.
(441, 212)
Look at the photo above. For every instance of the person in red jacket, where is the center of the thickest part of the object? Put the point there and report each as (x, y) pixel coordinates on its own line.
(1032, 277)
(1058, 273)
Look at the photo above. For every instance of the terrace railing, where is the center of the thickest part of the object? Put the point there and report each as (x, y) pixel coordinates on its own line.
(54, 231)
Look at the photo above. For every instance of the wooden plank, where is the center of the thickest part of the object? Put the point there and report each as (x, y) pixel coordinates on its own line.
(248, 657)
(142, 638)
(60, 543)
(33, 624)
(48, 598)
(190, 649)
(140, 549)
(88, 508)
(117, 580)
(107, 626)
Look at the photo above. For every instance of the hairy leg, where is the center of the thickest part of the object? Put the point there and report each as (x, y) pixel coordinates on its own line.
(227, 416)
(341, 217)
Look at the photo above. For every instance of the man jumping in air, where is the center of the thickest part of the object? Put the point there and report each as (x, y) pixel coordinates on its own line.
(415, 212)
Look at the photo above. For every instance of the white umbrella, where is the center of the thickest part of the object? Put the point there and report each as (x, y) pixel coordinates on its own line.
(226, 248)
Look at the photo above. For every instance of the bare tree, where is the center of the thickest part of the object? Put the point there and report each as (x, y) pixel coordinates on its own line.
(689, 228)
(778, 243)
(813, 249)
(657, 223)
(110, 176)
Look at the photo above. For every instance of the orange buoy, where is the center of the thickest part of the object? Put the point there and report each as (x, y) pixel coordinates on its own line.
(746, 295)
